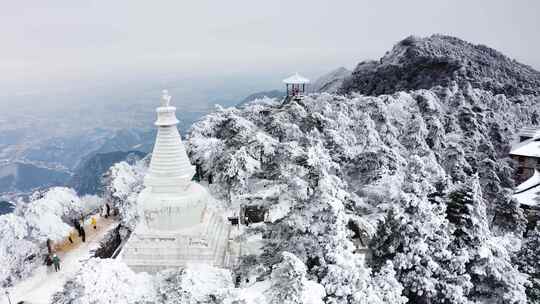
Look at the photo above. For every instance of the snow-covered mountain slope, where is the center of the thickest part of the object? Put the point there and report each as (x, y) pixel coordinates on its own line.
(331, 82)
(259, 95)
(87, 178)
(23, 177)
(387, 166)
(422, 63)
(6, 207)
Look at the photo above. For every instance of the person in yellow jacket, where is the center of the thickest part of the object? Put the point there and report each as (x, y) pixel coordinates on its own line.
(93, 222)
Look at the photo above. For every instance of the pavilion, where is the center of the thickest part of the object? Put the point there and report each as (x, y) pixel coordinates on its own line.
(296, 86)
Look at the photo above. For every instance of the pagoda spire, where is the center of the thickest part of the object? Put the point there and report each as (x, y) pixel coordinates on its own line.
(170, 169)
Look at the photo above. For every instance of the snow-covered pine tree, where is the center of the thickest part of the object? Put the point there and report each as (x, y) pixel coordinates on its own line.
(528, 260)
(121, 186)
(488, 263)
(386, 241)
(496, 181)
(417, 241)
(466, 210)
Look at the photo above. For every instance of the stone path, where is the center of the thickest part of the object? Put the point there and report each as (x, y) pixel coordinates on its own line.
(44, 282)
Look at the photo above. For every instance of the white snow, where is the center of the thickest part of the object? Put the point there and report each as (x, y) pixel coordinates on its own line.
(527, 192)
(530, 147)
(260, 293)
(280, 210)
(296, 79)
(108, 281)
(252, 245)
(531, 182)
(201, 280)
(529, 197)
(44, 282)
(45, 214)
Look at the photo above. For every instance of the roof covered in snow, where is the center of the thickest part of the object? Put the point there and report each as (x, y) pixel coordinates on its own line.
(531, 182)
(530, 148)
(528, 198)
(527, 192)
(296, 79)
(530, 131)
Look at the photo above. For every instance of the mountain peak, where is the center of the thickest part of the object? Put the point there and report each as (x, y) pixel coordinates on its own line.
(423, 63)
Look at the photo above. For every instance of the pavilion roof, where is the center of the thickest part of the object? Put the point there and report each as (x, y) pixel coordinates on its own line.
(296, 79)
(529, 148)
(527, 192)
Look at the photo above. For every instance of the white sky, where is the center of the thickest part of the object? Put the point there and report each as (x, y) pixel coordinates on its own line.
(54, 43)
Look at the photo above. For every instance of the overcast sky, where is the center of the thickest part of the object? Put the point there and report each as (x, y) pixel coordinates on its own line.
(52, 43)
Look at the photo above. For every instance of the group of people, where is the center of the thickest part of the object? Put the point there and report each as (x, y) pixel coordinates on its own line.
(79, 226)
(52, 258)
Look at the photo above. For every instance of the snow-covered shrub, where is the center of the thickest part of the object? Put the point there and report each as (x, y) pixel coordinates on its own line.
(122, 184)
(18, 254)
(528, 260)
(106, 281)
(290, 285)
(192, 285)
(47, 215)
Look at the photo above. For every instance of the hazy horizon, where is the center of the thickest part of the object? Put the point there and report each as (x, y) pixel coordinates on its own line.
(65, 47)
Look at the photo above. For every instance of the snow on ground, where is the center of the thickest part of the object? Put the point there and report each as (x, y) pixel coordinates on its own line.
(201, 280)
(45, 282)
(252, 245)
(107, 281)
(279, 211)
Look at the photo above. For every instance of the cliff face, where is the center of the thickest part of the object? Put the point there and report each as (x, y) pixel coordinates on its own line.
(423, 63)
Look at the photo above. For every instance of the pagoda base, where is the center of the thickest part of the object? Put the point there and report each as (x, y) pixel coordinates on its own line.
(152, 251)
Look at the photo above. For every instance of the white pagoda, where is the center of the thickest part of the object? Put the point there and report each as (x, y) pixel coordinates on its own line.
(177, 225)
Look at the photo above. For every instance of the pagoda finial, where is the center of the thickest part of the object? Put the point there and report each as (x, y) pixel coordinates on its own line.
(165, 98)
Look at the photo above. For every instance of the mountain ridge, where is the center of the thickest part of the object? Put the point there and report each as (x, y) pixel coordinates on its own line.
(388, 166)
(438, 60)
